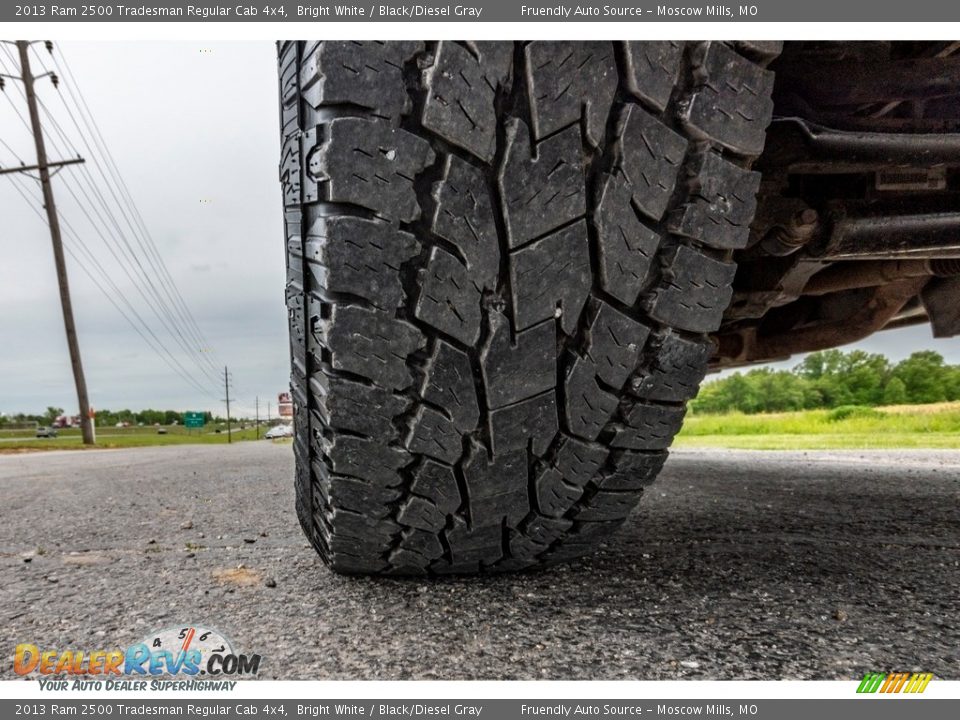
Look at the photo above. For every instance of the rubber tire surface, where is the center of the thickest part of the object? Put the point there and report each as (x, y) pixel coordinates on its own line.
(503, 259)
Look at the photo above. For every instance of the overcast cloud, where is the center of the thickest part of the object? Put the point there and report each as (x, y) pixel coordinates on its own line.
(194, 131)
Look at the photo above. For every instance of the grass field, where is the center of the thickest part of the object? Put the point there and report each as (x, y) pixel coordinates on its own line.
(69, 439)
(901, 426)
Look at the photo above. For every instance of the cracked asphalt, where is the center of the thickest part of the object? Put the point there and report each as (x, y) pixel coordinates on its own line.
(737, 565)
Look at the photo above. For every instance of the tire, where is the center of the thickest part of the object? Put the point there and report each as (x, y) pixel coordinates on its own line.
(503, 260)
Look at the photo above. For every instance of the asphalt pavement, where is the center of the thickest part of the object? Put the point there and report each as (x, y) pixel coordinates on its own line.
(737, 565)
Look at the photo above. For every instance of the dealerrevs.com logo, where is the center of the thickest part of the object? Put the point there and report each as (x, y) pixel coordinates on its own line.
(898, 682)
(203, 658)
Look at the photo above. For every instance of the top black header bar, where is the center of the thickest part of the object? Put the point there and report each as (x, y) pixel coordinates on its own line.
(635, 11)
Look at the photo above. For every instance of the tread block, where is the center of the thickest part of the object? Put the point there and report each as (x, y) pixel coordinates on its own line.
(722, 203)
(649, 427)
(602, 506)
(290, 175)
(633, 471)
(652, 69)
(592, 532)
(449, 301)
(448, 382)
(614, 342)
(461, 88)
(512, 507)
(552, 278)
(297, 324)
(359, 496)
(732, 103)
(523, 549)
(438, 484)
(588, 407)
(365, 458)
(554, 495)
(518, 369)
(434, 435)
(402, 561)
(288, 66)
(544, 191)
(626, 246)
(420, 513)
(304, 486)
(352, 564)
(472, 545)
(764, 50)
(371, 344)
(570, 80)
(579, 461)
(360, 257)
(423, 543)
(368, 74)
(505, 473)
(545, 530)
(695, 291)
(514, 426)
(652, 155)
(675, 370)
(371, 164)
(356, 532)
(349, 405)
(465, 216)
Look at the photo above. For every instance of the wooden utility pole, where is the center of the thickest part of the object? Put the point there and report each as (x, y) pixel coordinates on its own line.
(86, 422)
(258, 417)
(226, 385)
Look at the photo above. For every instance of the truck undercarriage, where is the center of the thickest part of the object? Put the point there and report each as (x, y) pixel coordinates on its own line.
(858, 217)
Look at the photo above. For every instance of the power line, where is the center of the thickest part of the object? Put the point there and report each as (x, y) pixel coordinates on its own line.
(172, 324)
(125, 192)
(172, 362)
(176, 365)
(117, 243)
(158, 305)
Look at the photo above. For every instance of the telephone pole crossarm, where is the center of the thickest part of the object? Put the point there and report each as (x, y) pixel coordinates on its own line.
(57, 164)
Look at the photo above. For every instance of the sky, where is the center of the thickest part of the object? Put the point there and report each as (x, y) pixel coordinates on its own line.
(193, 129)
(194, 132)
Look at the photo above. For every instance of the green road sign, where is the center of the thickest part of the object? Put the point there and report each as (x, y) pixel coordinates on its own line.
(193, 419)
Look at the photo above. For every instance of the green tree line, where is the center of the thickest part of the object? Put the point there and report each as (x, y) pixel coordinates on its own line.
(108, 418)
(834, 378)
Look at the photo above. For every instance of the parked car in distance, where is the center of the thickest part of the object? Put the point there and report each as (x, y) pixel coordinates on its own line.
(278, 431)
(161, 431)
(46, 432)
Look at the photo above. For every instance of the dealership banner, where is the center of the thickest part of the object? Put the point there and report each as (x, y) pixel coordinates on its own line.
(490, 709)
(638, 11)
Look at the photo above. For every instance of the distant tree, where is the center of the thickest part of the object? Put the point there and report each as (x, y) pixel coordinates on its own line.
(895, 392)
(52, 414)
(150, 417)
(925, 377)
(815, 365)
(953, 382)
(832, 379)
